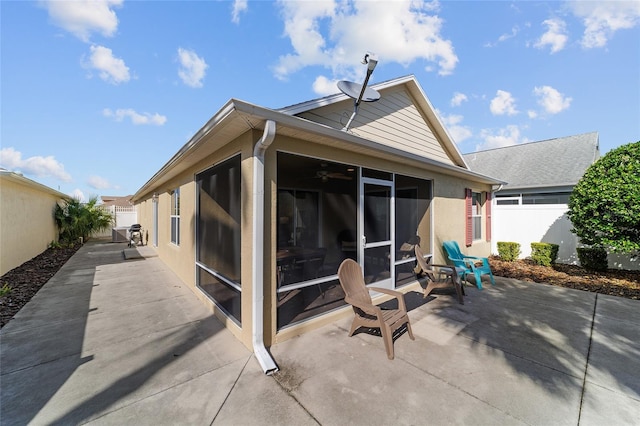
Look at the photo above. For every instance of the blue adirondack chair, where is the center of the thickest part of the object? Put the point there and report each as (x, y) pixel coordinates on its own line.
(466, 265)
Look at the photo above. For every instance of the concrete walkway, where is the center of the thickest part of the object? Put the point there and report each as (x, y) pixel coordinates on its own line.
(109, 341)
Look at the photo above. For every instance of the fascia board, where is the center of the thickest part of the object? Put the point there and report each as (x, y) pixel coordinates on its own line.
(224, 113)
(339, 97)
(263, 114)
(349, 138)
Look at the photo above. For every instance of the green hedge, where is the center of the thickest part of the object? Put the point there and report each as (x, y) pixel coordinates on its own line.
(593, 258)
(544, 253)
(508, 251)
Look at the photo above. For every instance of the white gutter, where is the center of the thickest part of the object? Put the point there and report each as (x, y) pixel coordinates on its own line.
(264, 358)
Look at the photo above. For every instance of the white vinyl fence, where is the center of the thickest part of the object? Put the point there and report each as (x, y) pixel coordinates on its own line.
(546, 223)
(124, 218)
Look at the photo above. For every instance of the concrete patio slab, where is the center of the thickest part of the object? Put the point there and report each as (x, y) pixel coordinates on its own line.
(110, 341)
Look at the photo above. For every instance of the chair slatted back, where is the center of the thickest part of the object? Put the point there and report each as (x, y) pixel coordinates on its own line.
(422, 262)
(352, 282)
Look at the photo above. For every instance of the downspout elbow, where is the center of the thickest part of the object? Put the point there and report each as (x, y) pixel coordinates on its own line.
(265, 359)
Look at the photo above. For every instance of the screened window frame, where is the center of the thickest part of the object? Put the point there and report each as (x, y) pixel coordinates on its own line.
(224, 282)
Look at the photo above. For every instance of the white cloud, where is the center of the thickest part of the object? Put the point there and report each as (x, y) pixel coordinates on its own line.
(458, 98)
(239, 6)
(136, 117)
(78, 195)
(504, 37)
(555, 37)
(98, 182)
(192, 68)
(84, 17)
(603, 18)
(503, 104)
(38, 166)
(111, 69)
(532, 114)
(507, 136)
(325, 86)
(335, 34)
(551, 100)
(453, 125)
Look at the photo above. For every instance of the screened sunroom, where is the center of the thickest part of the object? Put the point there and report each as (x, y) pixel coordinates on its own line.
(257, 211)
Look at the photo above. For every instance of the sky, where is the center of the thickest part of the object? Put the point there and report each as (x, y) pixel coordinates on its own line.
(96, 96)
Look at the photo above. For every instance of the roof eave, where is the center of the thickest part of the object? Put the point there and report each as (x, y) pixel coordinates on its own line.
(284, 119)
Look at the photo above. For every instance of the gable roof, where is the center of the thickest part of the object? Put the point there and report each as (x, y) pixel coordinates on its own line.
(237, 117)
(403, 117)
(559, 162)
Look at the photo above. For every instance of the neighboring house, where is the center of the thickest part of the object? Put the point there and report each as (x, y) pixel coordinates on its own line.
(123, 212)
(27, 225)
(116, 201)
(533, 205)
(256, 212)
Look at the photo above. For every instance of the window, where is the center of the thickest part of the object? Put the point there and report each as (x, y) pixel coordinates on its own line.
(533, 198)
(175, 216)
(219, 236)
(473, 213)
(546, 198)
(476, 214)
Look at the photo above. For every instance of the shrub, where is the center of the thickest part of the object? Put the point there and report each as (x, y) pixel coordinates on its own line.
(544, 253)
(593, 258)
(604, 206)
(508, 251)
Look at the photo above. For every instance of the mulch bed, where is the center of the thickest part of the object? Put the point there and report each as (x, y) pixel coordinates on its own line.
(613, 282)
(25, 280)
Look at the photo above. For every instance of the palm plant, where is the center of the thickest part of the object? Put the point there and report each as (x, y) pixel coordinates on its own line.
(77, 220)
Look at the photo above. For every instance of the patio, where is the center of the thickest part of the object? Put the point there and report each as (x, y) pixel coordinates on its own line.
(109, 341)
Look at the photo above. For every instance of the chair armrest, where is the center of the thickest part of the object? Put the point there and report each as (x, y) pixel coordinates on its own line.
(450, 268)
(366, 308)
(398, 295)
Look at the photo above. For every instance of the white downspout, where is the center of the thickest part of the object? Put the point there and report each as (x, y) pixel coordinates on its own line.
(264, 358)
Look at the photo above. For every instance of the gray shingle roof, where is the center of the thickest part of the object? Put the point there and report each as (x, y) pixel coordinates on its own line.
(548, 163)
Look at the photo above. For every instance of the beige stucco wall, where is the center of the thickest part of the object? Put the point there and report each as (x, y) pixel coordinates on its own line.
(449, 215)
(181, 258)
(444, 220)
(27, 225)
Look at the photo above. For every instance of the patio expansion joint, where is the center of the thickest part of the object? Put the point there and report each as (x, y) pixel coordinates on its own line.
(520, 357)
(49, 361)
(586, 367)
(143, 334)
(448, 383)
(175, 385)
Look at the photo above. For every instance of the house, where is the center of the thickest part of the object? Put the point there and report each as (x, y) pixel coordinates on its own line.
(116, 200)
(256, 212)
(533, 205)
(27, 225)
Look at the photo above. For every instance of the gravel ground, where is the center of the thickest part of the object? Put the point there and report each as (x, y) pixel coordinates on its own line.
(25, 280)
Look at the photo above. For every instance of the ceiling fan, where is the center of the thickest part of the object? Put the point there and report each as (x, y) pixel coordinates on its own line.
(324, 175)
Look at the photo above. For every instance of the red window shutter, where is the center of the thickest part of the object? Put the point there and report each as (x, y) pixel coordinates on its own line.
(488, 216)
(468, 235)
